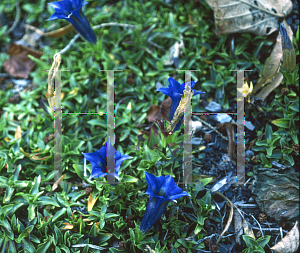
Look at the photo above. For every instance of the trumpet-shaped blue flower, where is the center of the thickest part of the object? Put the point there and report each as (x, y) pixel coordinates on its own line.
(162, 190)
(71, 10)
(175, 92)
(98, 161)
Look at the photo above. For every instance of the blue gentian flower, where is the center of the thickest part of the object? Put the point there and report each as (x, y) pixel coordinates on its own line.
(98, 161)
(71, 10)
(175, 92)
(288, 51)
(162, 190)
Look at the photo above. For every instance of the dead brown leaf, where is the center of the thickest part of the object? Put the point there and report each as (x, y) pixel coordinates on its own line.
(153, 112)
(248, 229)
(24, 153)
(259, 17)
(271, 77)
(19, 64)
(35, 157)
(68, 226)
(61, 31)
(55, 34)
(229, 218)
(166, 104)
(270, 87)
(91, 202)
(289, 243)
(55, 185)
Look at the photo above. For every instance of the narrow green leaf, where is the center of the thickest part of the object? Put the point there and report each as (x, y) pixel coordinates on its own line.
(45, 246)
(281, 123)
(60, 213)
(129, 179)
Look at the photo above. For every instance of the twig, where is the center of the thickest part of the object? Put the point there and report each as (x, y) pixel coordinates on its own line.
(258, 225)
(70, 44)
(281, 234)
(166, 234)
(246, 205)
(212, 128)
(230, 214)
(270, 229)
(247, 181)
(212, 235)
(114, 24)
(17, 19)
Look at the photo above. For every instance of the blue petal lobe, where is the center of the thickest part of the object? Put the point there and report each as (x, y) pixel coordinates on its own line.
(164, 90)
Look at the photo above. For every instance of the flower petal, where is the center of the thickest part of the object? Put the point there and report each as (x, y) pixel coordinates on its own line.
(98, 161)
(179, 195)
(61, 6)
(164, 90)
(172, 190)
(57, 16)
(120, 160)
(97, 157)
(71, 10)
(197, 92)
(97, 172)
(154, 183)
(174, 85)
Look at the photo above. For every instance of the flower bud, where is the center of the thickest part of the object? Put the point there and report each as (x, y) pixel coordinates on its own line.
(288, 51)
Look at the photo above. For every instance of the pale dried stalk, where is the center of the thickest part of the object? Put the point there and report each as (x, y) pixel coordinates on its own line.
(51, 77)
